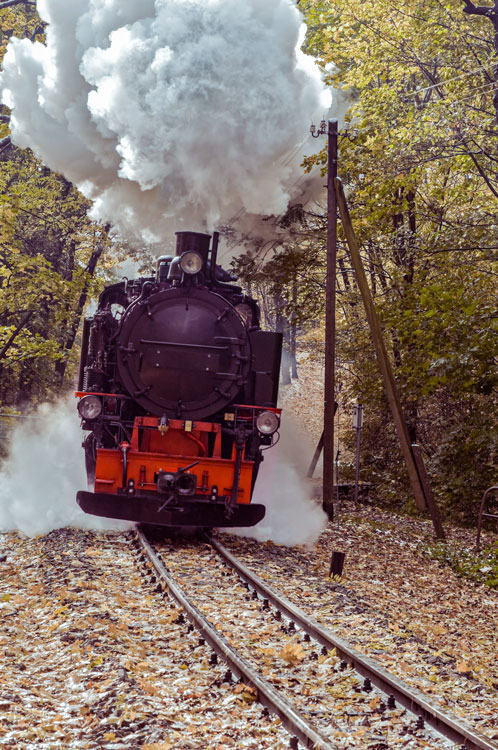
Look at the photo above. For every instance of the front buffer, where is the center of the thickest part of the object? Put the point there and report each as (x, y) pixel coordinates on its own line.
(146, 509)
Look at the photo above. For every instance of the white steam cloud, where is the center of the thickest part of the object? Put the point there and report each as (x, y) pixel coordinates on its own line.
(44, 470)
(167, 111)
(291, 516)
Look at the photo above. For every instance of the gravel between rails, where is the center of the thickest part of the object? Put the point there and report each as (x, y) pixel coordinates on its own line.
(93, 658)
(332, 699)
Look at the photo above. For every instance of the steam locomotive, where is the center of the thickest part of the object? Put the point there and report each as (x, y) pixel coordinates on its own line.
(178, 391)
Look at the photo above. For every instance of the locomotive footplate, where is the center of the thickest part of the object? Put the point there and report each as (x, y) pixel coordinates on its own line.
(146, 509)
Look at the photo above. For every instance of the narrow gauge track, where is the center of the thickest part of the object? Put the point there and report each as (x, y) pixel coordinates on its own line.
(396, 704)
(267, 695)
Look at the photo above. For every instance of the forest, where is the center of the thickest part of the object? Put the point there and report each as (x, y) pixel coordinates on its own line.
(418, 83)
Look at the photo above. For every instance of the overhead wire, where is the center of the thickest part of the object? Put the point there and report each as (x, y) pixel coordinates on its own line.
(485, 88)
(285, 160)
(449, 80)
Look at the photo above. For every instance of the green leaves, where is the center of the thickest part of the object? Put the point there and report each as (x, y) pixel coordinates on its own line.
(422, 189)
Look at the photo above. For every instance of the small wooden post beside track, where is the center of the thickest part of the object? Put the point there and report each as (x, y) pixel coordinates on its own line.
(419, 480)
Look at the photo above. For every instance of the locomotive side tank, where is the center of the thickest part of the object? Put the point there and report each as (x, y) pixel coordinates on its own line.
(178, 391)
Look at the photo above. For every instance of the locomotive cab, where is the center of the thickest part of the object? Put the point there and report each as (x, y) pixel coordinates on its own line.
(178, 393)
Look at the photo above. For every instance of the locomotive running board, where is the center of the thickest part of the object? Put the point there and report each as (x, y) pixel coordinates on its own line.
(145, 509)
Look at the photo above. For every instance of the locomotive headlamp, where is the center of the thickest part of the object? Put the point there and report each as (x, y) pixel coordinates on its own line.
(191, 262)
(90, 407)
(267, 422)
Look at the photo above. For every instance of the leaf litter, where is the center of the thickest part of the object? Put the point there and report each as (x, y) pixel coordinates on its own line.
(92, 658)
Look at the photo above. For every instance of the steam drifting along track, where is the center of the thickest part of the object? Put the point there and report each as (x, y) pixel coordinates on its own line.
(373, 707)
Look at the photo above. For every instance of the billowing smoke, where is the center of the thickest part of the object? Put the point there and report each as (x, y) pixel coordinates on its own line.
(44, 470)
(168, 111)
(292, 517)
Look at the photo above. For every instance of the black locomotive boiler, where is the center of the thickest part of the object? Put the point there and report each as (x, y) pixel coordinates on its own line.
(178, 392)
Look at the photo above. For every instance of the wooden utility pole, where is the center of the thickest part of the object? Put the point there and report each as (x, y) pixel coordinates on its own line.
(330, 291)
(413, 458)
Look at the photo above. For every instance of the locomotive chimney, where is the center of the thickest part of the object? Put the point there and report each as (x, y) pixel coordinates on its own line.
(193, 241)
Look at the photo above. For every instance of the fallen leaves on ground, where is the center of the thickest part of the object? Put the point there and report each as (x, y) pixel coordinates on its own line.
(92, 659)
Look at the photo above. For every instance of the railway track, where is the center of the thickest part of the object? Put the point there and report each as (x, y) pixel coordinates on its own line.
(326, 698)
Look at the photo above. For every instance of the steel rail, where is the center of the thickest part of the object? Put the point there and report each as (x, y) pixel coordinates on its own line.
(411, 698)
(267, 695)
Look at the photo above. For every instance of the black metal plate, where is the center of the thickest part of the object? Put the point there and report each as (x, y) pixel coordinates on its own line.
(145, 509)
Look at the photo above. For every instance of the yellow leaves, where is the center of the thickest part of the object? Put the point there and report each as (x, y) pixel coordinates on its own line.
(375, 702)
(247, 693)
(96, 662)
(59, 611)
(463, 667)
(147, 687)
(336, 578)
(293, 653)
(19, 600)
(418, 628)
(158, 746)
(439, 630)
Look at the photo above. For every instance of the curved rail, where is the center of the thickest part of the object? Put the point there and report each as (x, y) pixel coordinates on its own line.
(267, 695)
(411, 698)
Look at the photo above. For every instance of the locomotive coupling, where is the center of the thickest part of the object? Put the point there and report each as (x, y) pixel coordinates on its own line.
(177, 482)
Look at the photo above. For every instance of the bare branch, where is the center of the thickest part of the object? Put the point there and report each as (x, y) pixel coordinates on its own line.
(15, 333)
(8, 3)
(478, 10)
(5, 143)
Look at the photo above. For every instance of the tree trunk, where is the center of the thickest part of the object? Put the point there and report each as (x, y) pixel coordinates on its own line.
(61, 365)
(15, 333)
